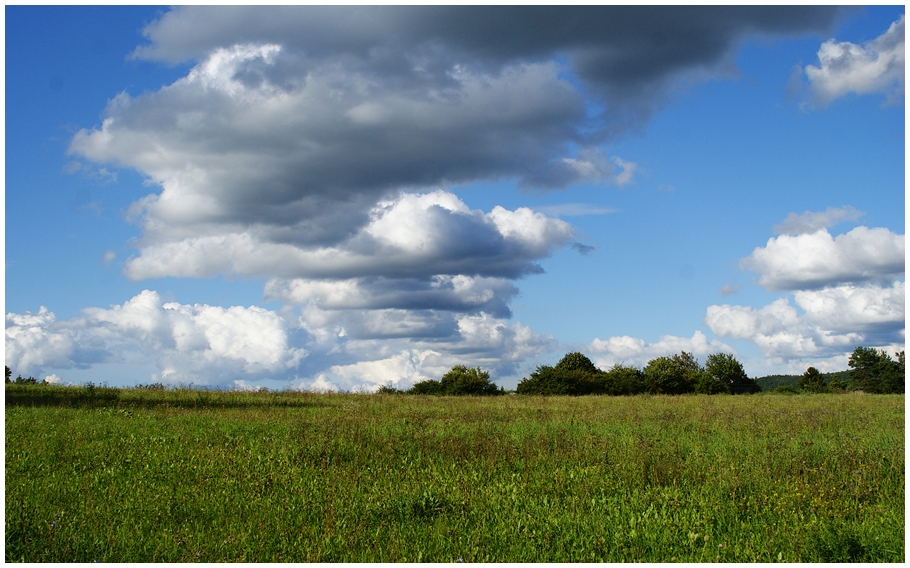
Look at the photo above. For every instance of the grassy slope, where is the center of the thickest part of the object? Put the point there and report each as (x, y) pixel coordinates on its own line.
(188, 476)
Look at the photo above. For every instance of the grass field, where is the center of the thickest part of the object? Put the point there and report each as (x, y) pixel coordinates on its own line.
(137, 475)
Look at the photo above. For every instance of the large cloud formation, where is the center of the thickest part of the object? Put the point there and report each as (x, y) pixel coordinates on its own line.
(238, 346)
(848, 288)
(296, 123)
(315, 147)
(815, 260)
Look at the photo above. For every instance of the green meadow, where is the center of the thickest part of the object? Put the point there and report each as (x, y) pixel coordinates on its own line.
(137, 475)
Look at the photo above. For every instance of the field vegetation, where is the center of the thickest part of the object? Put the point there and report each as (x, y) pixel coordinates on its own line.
(181, 475)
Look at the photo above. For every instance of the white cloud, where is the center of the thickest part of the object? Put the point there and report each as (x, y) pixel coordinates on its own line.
(280, 161)
(633, 351)
(834, 321)
(442, 292)
(816, 260)
(401, 371)
(865, 308)
(844, 67)
(33, 340)
(237, 347)
(411, 236)
(199, 343)
(812, 221)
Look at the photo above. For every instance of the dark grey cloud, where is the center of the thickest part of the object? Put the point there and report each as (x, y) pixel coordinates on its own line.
(450, 293)
(618, 45)
(629, 54)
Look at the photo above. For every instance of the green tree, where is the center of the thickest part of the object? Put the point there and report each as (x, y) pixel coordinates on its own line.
(623, 380)
(672, 375)
(812, 381)
(464, 381)
(837, 384)
(705, 383)
(576, 361)
(726, 370)
(575, 375)
(547, 380)
(8, 375)
(876, 372)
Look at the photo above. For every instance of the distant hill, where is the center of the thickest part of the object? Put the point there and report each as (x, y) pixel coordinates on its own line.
(771, 382)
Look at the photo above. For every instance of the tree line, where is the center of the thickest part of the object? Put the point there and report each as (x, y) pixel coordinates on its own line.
(872, 371)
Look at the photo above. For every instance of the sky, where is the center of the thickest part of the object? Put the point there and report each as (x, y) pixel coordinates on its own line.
(338, 198)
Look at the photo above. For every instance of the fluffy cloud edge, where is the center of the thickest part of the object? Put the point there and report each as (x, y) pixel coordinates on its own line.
(845, 68)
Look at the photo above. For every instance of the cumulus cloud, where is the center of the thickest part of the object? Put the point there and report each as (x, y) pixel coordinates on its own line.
(33, 340)
(237, 347)
(833, 321)
(625, 50)
(845, 67)
(812, 221)
(815, 260)
(634, 351)
(457, 293)
(295, 123)
(408, 236)
(197, 343)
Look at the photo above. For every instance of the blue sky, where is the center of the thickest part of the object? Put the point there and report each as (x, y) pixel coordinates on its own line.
(338, 199)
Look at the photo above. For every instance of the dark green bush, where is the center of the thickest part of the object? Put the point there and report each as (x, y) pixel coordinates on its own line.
(705, 383)
(459, 381)
(574, 375)
(426, 387)
(464, 381)
(672, 375)
(623, 380)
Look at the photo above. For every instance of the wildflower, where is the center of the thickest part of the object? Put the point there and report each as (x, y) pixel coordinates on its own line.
(459, 560)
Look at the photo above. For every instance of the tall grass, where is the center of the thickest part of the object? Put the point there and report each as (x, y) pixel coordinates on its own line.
(132, 475)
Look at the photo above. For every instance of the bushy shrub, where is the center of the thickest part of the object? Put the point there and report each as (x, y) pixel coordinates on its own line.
(672, 375)
(576, 361)
(575, 375)
(623, 380)
(464, 381)
(459, 381)
(387, 389)
(426, 387)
